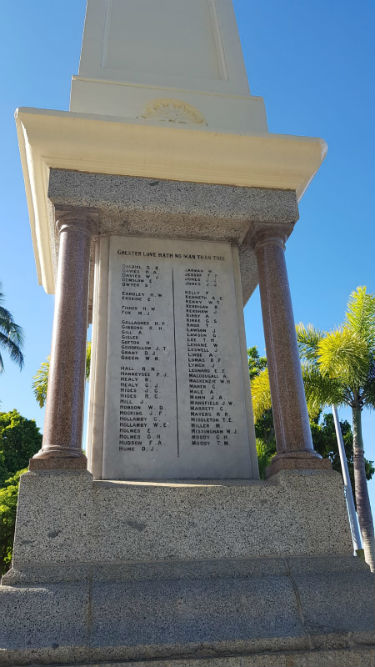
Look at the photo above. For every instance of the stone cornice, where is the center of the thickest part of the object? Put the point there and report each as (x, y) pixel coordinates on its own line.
(99, 144)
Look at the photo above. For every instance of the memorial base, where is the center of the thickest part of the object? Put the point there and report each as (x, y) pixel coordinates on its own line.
(247, 574)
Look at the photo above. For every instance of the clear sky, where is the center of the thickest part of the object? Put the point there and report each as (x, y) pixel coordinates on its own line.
(312, 62)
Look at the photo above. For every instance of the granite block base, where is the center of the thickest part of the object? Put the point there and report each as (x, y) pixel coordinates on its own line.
(66, 519)
(269, 612)
(185, 575)
(333, 658)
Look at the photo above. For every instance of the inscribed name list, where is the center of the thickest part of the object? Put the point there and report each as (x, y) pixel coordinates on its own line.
(175, 398)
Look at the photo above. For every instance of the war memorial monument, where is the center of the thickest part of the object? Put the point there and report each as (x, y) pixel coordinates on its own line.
(157, 204)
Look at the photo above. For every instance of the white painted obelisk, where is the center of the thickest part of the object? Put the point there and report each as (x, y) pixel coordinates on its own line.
(168, 62)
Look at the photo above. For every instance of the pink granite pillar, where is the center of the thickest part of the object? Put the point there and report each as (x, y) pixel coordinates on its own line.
(291, 421)
(61, 446)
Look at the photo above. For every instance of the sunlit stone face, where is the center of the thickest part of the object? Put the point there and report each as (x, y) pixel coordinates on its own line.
(175, 403)
(156, 38)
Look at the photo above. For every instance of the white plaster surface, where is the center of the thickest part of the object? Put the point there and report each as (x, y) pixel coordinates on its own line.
(169, 107)
(159, 41)
(176, 401)
(173, 61)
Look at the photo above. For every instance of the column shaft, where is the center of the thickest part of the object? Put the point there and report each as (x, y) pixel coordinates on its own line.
(61, 447)
(291, 421)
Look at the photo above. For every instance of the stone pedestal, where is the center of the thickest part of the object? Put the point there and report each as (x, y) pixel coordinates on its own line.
(223, 574)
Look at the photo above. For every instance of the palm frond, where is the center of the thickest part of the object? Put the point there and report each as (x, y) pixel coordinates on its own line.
(308, 339)
(11, 336)
(88, 359)
(12, 346)
(368, 392)
(320, 389)
(344, 355)
(8, 326)
(360, 315)
(40, 383)
(40, 379)
(261, 394)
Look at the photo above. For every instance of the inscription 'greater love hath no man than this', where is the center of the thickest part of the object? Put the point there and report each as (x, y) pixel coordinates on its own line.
(175, 356)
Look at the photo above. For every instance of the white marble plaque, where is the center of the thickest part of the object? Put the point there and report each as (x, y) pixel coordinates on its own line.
(175, 402)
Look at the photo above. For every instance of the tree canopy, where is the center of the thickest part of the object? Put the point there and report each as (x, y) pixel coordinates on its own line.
(8, 509)
(20, 439)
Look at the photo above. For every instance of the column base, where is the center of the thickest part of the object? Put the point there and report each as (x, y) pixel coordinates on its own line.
(54, 460)
(297, 461)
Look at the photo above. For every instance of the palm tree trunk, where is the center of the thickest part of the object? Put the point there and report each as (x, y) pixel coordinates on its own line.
(361, 491)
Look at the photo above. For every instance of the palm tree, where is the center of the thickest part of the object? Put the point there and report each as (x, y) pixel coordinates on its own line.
(339, 369)
(11, 336)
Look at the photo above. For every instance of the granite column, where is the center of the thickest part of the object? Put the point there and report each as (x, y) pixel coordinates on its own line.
(61, 446)
(291, 421)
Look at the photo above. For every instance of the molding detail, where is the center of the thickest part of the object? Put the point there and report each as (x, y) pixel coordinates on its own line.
(173, 111)
(99, 145)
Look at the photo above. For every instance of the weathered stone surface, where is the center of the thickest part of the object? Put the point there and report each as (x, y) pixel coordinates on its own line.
(134, 206)
(246, 615)
(68, 519)
(43, 620)
(227, 572)
(353, 657)
(193, 611)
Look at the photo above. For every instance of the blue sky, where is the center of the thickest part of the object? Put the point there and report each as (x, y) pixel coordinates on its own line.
(312, 62)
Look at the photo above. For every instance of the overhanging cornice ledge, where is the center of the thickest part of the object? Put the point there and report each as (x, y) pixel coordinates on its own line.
(103, 145)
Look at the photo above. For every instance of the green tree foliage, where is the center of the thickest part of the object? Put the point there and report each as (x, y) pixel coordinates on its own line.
(340, 367)
(8, 508)
(265, 452)
(40, 379)
(322, 426)
(20, 439)
(11, 336)
(325, 443)
(256, 363)
(264, 429)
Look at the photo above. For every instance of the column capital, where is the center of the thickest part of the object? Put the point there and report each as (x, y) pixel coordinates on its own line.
(77, 218)
(263, 234)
